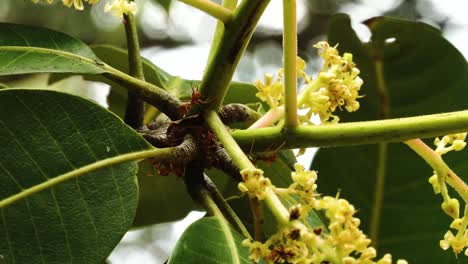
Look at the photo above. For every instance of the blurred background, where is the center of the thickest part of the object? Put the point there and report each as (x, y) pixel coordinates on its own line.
(176, 37)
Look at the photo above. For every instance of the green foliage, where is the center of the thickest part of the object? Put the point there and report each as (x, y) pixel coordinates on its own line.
(423, 74)
(26, 49)
(210, 240)
(78, 221)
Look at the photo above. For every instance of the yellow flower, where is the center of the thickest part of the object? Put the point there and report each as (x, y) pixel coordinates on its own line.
(456, 142)
(78, 4)
(271, 91)
(255, 184)
(121, 7)
(337, 86)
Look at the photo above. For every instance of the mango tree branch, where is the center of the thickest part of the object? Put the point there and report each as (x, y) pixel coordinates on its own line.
(232, 45)
(158, 97)
(278, 210)
(231, 5)
(289, 62)
(134, 111)
(204, 192)
(217, 11)
(439, 166)
(225, 208)
(354, 133)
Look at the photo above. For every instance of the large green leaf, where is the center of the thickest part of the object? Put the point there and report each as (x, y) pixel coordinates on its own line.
(423, 74)
(27, 49)
(44, 134)
(210, 240)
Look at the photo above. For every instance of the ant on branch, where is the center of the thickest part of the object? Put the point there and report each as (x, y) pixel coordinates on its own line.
(164, 169)
(268, 157)
(196, 99)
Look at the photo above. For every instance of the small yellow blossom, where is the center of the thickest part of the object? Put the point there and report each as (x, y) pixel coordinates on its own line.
(257, 249)
(457, 243)
(451, 207)
(450, 142)
(340, 242)
(255, 184)
(121, 7)
(434, 181)
(78, 4)
(336, 86)
(271, 91)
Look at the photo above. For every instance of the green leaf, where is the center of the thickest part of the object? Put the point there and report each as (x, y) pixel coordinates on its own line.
(210, 240)
(27, 49)
(162, 198)
(423, 74)
(44, 134)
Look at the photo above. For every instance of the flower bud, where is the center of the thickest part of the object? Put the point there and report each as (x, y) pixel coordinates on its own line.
(451, 207)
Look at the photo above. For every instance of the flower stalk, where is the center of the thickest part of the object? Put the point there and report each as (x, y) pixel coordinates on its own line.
(289, 57)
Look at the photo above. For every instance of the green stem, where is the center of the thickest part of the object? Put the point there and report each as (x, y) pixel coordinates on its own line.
(257, 214)
(204, 192)
(165, 153)
(158, 97)
(384, 113)
(277, 208)
(237, 154)
(269, 118)
(225, 208)
(354, 133)
(219, 12)
(135, 105)
(462, 229)
(232, 45)
(240, 159)
(439, 166)
(289, 58)
(378, 194)
(231, 5)
(150, 114)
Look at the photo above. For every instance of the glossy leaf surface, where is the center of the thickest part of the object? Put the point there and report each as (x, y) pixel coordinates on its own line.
(44, 134)
(210, 240)
(27, 49)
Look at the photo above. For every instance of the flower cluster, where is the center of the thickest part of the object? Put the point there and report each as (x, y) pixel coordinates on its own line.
(336, 86)
(296, 242)
(117, 7)
(450, 142)
(272, 90)
(255, 184)
(451, 206)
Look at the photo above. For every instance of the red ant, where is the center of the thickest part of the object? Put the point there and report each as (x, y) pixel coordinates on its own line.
(195, 99)
(164, 169)
(269, 159)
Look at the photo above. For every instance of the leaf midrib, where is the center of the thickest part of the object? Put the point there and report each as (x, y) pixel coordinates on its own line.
(93, 61)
